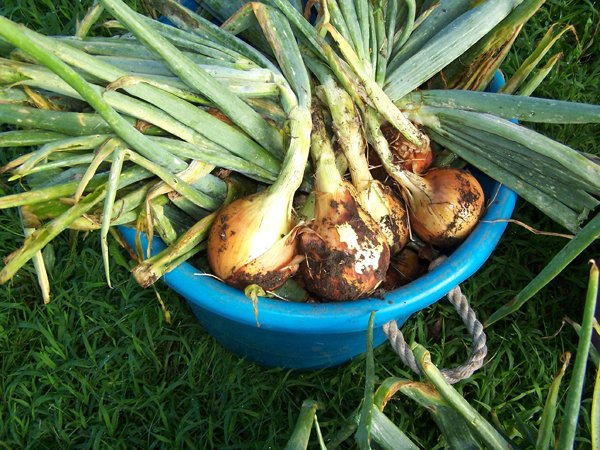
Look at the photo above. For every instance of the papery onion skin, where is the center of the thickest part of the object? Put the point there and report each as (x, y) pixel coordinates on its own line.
(244, 248)
(406, 154)
(450, 210)
(346, 254)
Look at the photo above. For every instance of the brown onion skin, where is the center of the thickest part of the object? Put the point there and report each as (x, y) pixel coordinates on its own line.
(331, 268)
(406, 154)
(228, 255)
(453, 211)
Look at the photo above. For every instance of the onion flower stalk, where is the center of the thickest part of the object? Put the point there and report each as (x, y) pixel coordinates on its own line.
(253, 239)
(347, 254)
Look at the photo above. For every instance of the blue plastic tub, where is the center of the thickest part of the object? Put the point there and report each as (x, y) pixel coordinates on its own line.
(310, 336)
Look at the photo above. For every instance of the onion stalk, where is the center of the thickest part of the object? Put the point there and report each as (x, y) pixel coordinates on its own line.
(244, 116)
(16, 36)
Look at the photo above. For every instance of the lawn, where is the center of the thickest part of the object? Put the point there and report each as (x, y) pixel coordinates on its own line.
(102, 368)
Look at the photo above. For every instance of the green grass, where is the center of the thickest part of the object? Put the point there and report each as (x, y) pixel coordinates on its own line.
(100, 368)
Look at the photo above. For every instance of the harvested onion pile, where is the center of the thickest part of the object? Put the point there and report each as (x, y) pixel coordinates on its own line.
(310, 153)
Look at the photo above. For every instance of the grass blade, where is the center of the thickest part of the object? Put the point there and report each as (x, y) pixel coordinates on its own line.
(568, 253)
(304, 424)
(545, 433)
(91, 17)
(537, 78)
(568, 427)
(594, 355)
(595, 415)
(529, 64)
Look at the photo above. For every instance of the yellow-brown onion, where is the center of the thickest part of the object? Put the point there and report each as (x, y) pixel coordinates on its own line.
(346, 254)
(246, 247)
(253, 239)
(445, 205)
(376, 199)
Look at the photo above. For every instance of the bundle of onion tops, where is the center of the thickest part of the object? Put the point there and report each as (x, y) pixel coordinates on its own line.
(301, 151)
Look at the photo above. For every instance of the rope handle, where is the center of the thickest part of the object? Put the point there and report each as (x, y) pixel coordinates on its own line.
(474, 326)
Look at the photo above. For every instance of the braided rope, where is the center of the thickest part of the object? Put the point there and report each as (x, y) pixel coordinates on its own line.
(475, 328)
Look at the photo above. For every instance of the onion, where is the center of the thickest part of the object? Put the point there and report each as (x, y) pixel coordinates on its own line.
(245, 247)
(376, 199)
(445, 204)
(253, 239)
(405, 267)
(346, 253)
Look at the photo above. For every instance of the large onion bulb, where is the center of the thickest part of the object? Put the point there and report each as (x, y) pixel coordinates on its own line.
(445, 204)
(245, 247)
(346, 254)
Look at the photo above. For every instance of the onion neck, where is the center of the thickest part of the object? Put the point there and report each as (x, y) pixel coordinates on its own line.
(414, 185)
(327, 177)
(348, 130)
(292, 169)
